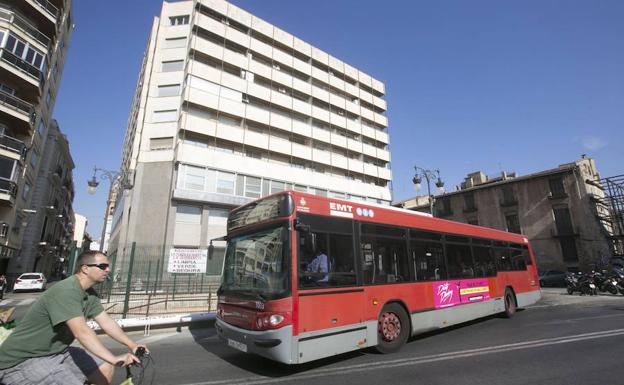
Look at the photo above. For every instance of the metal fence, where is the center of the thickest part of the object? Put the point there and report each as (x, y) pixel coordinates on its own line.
(140, 285)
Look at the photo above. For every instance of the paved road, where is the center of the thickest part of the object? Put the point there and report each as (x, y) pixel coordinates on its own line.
(562, 340)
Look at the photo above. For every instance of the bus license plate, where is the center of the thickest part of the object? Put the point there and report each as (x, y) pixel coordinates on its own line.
(237, 345)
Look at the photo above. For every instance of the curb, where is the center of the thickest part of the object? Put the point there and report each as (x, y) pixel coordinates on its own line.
(161, 322)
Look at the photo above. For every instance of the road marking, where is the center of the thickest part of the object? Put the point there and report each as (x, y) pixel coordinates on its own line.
(26, 301)
(418, 360)
(7, 301)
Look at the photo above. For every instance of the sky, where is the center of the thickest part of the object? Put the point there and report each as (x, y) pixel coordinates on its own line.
(479, 85)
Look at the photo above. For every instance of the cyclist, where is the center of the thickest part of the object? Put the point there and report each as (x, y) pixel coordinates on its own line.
(39, 351)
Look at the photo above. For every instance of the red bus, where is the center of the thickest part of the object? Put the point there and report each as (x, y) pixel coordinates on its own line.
(307, 277)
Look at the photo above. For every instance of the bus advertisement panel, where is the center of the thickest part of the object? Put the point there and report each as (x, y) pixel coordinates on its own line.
(306, 277)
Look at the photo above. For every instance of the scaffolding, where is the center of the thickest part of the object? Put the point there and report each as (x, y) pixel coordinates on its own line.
(610, 212)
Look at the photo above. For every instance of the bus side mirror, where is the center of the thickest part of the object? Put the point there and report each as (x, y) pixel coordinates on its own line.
(308, 237)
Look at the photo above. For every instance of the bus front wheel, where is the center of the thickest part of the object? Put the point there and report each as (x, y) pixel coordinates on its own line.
(510, 304)
(392, 329)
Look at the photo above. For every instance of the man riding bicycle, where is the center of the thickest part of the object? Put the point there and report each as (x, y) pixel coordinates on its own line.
(39, 351)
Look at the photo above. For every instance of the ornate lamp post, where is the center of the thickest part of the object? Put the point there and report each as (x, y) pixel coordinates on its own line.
(428, 175)
(112, 176)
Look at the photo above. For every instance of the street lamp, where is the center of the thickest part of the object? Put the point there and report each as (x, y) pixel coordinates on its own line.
(112, 176)
(428, 175)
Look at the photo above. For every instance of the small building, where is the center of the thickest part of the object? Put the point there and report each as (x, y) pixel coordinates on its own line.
(561, 210)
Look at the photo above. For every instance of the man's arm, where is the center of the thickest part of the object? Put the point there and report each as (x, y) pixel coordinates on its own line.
(87, 338)
(110, 327)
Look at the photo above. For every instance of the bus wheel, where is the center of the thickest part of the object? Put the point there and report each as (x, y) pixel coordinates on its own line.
(392, 329)
(510, 304)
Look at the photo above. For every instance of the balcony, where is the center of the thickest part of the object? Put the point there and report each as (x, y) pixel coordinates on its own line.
(24, 67)
(13, 146)
(22, 24)
(8, 190)
(48, 7)
(17, 107)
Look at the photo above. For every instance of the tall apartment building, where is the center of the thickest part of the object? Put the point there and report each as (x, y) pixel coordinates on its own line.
(34, 37)
(229, 108)
(562, 211)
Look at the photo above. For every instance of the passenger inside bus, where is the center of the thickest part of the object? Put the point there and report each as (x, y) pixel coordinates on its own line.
(320, 264)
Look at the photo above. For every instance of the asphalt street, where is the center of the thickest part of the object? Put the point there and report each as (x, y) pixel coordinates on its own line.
(561, 340)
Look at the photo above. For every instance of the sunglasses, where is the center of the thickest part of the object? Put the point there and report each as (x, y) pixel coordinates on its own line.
(101, 266)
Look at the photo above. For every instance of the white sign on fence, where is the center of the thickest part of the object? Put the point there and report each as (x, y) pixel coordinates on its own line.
(187, 261)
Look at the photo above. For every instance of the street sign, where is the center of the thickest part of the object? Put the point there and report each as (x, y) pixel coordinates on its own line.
(187, 261)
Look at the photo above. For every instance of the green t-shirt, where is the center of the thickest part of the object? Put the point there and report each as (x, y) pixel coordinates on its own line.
(43, 331)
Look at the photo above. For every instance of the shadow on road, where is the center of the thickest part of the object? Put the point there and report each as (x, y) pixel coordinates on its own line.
(203, 336)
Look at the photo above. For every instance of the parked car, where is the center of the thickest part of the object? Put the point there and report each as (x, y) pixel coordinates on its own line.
(30, 281)
(552, 278)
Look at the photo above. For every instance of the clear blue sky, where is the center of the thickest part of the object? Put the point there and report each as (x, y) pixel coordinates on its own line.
(471, 85)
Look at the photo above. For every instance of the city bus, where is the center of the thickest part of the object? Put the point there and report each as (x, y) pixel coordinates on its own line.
(386, 274)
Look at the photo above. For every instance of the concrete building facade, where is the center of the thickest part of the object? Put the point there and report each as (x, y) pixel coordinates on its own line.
(557, 209)
(34, 38)
(230, 108)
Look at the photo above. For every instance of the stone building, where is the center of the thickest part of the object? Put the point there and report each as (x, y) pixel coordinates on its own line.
(557, 209)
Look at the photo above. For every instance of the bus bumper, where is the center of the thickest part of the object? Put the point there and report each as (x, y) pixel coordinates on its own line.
(273, 344)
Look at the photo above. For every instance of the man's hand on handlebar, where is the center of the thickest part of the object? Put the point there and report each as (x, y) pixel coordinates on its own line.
(126, 359)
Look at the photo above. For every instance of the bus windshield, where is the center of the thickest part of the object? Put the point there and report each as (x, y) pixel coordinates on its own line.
(257, 264)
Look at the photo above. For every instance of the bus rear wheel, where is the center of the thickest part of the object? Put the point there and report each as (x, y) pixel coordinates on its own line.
(510, 304)
(392, 328)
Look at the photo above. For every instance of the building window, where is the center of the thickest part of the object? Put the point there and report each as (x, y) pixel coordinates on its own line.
(225, 182)
(4, 228)
(172, 65)
(179, 20)
(7, 168)
(161, 143)
(41, 128)
(513, 223)
(563, 221)
(188, 214)
(568, 249)
(444, 207)
(34, 157)
(164, 116)
(252, 187)
(48, 99)
(557, 190)
(26, 191)
(508, 196)
(469, 200)
(175, 42)
(169, 90)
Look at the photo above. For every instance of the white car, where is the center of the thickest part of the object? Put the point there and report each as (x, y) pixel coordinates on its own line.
(30, 281)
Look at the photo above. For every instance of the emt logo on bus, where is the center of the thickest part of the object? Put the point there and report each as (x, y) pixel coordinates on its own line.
(346, 211)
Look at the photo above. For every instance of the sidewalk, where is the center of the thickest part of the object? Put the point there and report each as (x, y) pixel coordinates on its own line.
(557, 296)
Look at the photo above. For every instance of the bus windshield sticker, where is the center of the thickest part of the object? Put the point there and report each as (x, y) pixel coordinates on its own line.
(451, 293)
(340, 210)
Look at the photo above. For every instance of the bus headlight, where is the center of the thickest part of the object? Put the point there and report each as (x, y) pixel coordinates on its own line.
(276, 319)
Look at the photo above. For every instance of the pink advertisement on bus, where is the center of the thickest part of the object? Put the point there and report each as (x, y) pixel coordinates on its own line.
(451, 293)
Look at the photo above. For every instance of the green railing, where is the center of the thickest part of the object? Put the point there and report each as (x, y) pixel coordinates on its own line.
(139, 284)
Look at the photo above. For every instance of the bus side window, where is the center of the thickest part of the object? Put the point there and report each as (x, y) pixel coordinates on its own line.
(503, 261)
(484, 261)
(460, 264)
(428, 260)
(342, 260)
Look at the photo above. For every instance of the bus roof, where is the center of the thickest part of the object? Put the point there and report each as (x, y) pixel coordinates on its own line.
(372, 212)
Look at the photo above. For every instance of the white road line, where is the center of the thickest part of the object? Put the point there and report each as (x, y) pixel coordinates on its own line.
(7, 301)
(26, 301)
(419, 360)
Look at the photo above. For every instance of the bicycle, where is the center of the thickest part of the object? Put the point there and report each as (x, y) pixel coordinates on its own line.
(145, 362)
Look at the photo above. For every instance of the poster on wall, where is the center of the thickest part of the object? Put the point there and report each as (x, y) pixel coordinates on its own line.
(187, 261)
